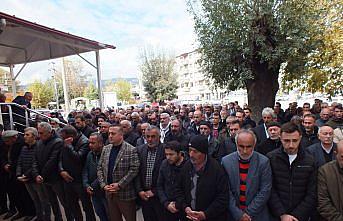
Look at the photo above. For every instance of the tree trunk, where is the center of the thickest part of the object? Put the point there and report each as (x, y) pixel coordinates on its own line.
(262, 90)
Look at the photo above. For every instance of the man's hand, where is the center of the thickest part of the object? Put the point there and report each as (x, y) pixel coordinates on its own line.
(65, 175)
(90, 191)
(149, 193)
(7, 168)
(115, 187)
(39, 179)
(199, 215)
(286, 217)
(68, 141)
(171, 207)
(245, 217)
(143, 195)
(107, 188)
(194, 215)
(22, 178)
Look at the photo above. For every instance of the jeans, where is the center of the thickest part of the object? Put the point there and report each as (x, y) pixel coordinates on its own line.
(100, 207)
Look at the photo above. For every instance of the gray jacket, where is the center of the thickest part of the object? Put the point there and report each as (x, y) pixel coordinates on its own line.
(259, 185)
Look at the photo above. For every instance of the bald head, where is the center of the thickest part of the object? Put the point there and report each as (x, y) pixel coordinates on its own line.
(126, 125)
(325, 135)
(339, 153)
(325, 114)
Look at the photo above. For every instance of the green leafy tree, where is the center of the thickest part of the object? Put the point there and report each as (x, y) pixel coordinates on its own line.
(91, 92)
(159, 79)
(42, 94)
(244, 43)
(325, 69)
(122, 89)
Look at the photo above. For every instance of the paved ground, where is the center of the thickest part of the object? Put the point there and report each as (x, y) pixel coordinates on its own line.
(139, 217)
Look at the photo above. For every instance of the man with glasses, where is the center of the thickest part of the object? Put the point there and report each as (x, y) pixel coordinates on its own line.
(294, 200)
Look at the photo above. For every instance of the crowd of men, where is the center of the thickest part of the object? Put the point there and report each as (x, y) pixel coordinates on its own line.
(190, 162)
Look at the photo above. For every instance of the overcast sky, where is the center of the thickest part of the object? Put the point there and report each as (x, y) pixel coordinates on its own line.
(128, 24)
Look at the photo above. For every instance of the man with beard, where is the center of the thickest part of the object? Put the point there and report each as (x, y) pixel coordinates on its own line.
(90, 179)
(250, 180)
(104, 128)
(296, 199)
(153, 121)
(151, 156)
(323, 152)
(178, 135)
(80, 125)
(309, 131)
(273, 142)
(166, 183)
(208, 113)
(164, 126)
(202, 191)
(183, 117)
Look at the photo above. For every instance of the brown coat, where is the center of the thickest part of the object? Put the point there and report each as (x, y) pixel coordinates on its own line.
(330, 192)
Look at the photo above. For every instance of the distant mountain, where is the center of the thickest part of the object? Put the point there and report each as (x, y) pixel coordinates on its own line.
(133, 81)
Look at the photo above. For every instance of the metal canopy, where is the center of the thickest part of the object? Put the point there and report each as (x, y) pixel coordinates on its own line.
(22, 42)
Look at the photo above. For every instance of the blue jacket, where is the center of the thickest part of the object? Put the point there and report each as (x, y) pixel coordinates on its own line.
(259, 185)
(317, 152)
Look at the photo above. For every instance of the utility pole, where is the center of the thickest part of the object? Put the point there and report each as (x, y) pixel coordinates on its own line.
(65, 88)
(55, 84)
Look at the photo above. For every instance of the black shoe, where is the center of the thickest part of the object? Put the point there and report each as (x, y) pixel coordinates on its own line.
(28, 218)
(18, 216)
(9, 214)
(3, 211)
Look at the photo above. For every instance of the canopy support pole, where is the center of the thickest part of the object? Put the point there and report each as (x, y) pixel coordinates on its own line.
(98, 76)
(14, 87)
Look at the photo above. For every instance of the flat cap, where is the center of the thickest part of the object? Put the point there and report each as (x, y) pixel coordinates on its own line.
(8, 134)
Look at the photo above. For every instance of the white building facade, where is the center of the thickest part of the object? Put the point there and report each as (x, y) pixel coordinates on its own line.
(193, 85)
